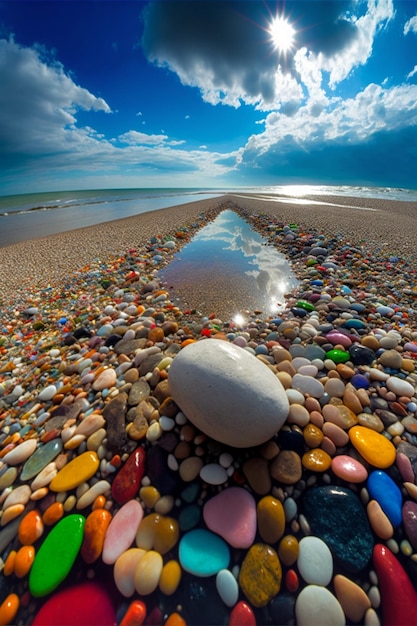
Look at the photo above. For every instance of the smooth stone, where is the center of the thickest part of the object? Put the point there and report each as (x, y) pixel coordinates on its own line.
(391, 358)
(127, 481)
(40, 458)
(196, 593)
(203, 553)
(340, 415)
(227, 587)
(18, 495)
(361, 355)
(349, 469)
(124, 570)
(8, 478)
(232, 515)
(77, 471)
(260, 575)
(271, 519)
(352, 598)
(105, 380)
(257, 472)
(121, 531)
(337, 356)
(373, 447)
(315, 562)
(226, 392)
(359, 381)
(148, 572)
(400, 387)
(21, 452)
(316, 460)
(286, 467)
(157, 532)
(241, 615)
(213, 474)
(56, 556)
(95, 529)
(409, 517)
(308, 385)
(398, 596)
(31, 528)
(339, 338)
(47, 393)
(84, 604)
(384, 490)
(170, 577)
(317, 606)
(379, 522)
(336, 515)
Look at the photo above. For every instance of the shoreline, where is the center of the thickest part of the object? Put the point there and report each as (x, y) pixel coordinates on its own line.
(389, 228)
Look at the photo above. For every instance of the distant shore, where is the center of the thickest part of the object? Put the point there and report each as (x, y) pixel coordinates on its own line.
(389, 227)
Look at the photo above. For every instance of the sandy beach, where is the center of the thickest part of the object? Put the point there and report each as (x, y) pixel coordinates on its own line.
(384, 226)
(91, 422)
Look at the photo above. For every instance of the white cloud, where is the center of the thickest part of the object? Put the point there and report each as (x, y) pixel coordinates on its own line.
(411, 25)
(133, 138)
(413, 72)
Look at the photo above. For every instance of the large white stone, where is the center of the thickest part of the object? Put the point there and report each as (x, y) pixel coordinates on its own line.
(228, 393)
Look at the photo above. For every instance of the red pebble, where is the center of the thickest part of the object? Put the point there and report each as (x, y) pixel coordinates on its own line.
(128, 480)
(242, 615)
(398, 597)
(135, 614)
(80, 605)
(291, 581)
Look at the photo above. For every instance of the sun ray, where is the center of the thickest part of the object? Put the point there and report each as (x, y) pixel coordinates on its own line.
(282, 34)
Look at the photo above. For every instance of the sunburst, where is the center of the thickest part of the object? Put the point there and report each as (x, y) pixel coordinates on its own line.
(282, 34)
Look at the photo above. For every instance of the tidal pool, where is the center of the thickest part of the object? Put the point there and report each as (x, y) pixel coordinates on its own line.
(230, 270)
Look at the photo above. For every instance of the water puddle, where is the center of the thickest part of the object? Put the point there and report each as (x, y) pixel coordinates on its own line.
(229, 269)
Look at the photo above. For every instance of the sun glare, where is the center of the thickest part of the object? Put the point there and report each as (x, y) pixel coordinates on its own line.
(282, 34)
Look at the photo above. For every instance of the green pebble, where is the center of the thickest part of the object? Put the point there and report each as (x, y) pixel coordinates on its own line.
(338, 356)
(56, 556)
(307, 306)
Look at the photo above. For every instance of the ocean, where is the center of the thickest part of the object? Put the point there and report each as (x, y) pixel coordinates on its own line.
(29, 216)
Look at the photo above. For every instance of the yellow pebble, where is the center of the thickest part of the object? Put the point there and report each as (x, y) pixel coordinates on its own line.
(157, 532)
(316, 460)
(148, 573)
(24, 561)
(77, 471)
(11, 513)
(170, 577)
(313, 436)
(9, 563)
(373, 447)
(8, 609)
(271, 519)
(150, 496)
(288, 550)
(260, 575)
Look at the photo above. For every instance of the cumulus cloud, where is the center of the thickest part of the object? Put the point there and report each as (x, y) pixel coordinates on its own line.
(39, 104)
(224, 48)
(133, 138)
(411, 25)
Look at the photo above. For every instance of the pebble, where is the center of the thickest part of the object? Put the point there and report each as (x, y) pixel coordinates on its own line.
(349, 469)
(352, 598)
(216, 383)
(384, 490)
(95, 528)
(232, 515)
(121, 531)
(315, 562)
(77, 471)
(316, 605)
(260, 575)
(271, 519)
(203, 553)
(56, 556)
(21, 452)
(373, 447)
(227, 587)
(128, 479)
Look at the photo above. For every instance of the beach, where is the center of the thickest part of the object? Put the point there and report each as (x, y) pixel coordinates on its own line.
(317, 519)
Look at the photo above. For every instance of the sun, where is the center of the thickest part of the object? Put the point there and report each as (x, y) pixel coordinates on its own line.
(282, 34)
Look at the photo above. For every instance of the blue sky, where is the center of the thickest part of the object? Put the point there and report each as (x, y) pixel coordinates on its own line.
(210, 93)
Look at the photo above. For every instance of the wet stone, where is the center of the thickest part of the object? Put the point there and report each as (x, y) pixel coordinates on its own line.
(40, 459)
(260, 575)
(286, 468)
(336, 515)
(114, 413)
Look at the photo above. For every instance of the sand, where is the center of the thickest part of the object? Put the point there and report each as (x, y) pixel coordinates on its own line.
(383, 225)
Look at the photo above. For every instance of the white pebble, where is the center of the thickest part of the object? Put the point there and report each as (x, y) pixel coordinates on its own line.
(213, 474)
(227, 587)
(315, 561)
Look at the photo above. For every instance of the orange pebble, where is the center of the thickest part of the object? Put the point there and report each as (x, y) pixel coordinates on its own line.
(175, 619)
(95, 530)
(187, 342)
(9, 563)
(99, 503)
(9, 609)
(24, 560)
(135, 614)
(30, 528)
(53, 513)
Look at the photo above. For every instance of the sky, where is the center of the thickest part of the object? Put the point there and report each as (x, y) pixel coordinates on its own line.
(207, 93)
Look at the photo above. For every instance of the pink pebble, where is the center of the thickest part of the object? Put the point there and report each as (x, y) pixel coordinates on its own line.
(122, 531)
(405, 467)
(349, 469)
(232, 515)
(339, 338)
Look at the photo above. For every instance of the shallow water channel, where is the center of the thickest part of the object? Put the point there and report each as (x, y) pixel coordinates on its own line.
(230, 270)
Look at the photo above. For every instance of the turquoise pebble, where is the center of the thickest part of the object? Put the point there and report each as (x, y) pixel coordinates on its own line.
(40, 459)
(189, 517)
(56, 556)
(354, 323)
(203, 553)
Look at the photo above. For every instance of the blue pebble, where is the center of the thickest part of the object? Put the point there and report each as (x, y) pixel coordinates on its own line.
(261, 349)
(384, 490)
(203, 553)
(359, 381)
(354, 323)
(317, 283)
